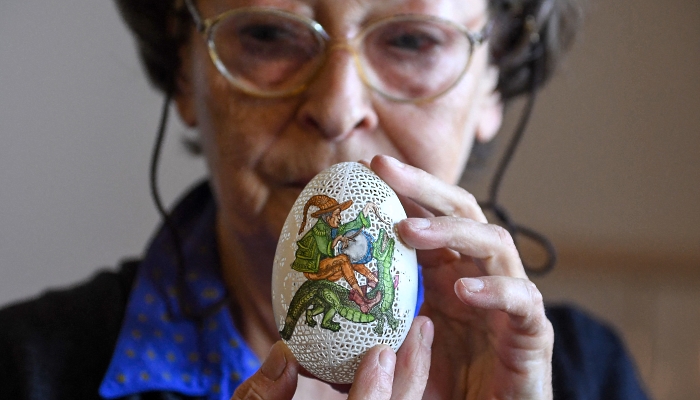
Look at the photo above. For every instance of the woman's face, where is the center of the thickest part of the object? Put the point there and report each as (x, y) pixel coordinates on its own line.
(262, 152)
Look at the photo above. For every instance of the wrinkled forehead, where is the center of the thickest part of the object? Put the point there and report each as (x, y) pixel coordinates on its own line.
(341, 13)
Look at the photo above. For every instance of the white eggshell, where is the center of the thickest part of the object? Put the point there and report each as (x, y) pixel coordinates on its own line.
(331, 355)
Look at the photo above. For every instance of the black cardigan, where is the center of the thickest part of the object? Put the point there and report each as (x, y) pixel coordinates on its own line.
(59, 346)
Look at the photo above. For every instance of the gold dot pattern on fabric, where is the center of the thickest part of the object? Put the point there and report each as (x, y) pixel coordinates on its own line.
(150, 333)
(210, 293)
(158, 349)
(214, 357)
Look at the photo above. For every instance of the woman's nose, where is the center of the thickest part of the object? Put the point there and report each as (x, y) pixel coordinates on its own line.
(337, 103)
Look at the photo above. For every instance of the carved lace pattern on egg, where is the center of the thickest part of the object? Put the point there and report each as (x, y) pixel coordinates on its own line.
(334, 356)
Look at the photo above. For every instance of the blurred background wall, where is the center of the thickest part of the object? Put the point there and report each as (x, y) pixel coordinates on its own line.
(609, 167)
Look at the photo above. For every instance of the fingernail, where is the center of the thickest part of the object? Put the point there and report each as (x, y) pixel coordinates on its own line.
(427, 331)
(394, 162)
(275, 363)
(387, 360)
(472, 285)
(418, 223)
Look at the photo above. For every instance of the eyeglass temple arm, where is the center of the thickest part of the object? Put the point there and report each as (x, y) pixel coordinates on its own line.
(483, 35)
(198, 22)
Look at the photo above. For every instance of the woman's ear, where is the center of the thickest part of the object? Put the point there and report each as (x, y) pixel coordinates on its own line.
(184, 88)
(491, 113)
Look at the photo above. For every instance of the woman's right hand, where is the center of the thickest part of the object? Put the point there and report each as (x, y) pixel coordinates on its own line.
(382, 375)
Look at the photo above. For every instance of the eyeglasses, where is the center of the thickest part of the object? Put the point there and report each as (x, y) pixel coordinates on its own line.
(268, 52)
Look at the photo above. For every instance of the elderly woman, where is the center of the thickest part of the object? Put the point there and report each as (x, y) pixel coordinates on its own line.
(278, 91)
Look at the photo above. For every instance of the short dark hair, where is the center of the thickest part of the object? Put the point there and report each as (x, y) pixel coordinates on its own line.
(162, 26)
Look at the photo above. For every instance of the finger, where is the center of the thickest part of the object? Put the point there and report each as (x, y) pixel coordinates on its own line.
(412, 208)
(427, 190)
(339, 387)
(375, 375)
(491, 246)
(276, 379)
(519, 298)
(413, 360)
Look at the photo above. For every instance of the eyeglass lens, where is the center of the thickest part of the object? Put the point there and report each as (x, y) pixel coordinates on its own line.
(403, 57)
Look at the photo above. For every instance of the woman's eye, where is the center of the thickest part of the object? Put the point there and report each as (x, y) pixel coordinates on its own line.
(278, 41)
(412, 42)
(264, 33)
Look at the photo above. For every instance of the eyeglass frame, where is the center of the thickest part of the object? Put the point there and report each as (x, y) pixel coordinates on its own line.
(205, 26)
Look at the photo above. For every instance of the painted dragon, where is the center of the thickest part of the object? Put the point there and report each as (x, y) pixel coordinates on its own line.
(329, 298)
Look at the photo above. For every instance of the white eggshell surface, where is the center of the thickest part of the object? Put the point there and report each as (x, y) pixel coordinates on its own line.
(325, 326)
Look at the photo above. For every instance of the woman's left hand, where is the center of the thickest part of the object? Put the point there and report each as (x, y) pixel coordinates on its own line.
(492, 338)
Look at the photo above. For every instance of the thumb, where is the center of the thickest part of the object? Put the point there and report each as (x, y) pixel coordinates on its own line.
(375, 375)
(275, 380)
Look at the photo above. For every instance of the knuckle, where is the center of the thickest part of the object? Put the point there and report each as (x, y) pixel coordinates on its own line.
(255, 392)
(538, 321)
(503, 237)
(510, 307)
(469, 198)
(421, 376)
(534, 293)
(467, 204)
(247, 391)
(548, 329)
(542, 327)
(383, 390)
(420, 366)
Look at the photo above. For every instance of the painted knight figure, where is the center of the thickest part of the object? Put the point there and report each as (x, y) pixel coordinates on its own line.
(342, 280)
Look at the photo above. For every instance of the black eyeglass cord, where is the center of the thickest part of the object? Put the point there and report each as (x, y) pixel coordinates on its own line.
(183, 295)
(491, 204)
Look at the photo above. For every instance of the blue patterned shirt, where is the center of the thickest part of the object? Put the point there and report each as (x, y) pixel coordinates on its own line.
(158, 349)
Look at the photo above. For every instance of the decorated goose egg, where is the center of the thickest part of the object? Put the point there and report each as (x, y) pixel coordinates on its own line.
(343, 281)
